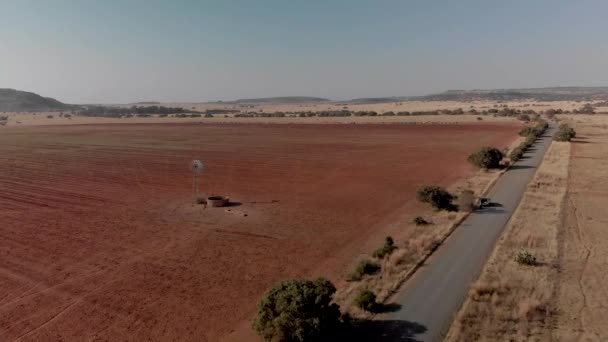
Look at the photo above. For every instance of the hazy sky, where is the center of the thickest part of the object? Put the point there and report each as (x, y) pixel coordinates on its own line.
(125, 51)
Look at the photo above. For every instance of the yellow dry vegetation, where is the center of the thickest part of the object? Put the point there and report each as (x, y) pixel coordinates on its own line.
(41, 119)
(581, 302)
(512, 301)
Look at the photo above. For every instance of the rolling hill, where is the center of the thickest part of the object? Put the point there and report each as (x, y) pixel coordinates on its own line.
(540, 94)
(12, 100)
(278, 100)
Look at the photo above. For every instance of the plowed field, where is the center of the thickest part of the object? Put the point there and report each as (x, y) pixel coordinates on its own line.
(99, 239)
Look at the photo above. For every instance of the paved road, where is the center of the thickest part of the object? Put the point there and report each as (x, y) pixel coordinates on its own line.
(429, 301)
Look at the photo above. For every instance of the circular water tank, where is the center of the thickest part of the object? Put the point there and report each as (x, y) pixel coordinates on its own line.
(217, 201)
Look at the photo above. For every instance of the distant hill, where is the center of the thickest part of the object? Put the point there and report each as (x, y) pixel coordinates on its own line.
(278, 100)
(146, 103)
(12, 100)
(540, 94)
(372, 100)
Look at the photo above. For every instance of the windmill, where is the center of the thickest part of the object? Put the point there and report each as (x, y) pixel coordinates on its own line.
(197, 169)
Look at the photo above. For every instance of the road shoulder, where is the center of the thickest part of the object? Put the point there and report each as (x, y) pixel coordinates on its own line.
(510, 300)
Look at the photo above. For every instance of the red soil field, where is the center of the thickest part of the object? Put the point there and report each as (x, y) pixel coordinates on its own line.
(100, 239)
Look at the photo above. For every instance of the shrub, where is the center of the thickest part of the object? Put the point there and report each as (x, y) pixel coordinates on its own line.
(516, 154)
(525, 258)
(564, 133)
(523, 117)
(420, 221)
(486, 157)
(529, 142)
(386, 249)
(209, 115)
(466, 201)
(366, 300)
(200, 200)
(587, 109)
(49, 116)
(437, 196)
(297, 310)
(364, 267)
(526, 131)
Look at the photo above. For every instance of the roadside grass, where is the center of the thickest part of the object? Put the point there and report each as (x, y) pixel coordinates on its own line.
(511, 300)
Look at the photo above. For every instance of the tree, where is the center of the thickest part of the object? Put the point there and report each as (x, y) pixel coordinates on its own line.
(516, 154)
(437, 196)
(486, 157)
(564, 133)
(297, 310)
(587, 109)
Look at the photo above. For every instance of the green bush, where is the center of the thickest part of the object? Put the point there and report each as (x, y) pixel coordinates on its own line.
(420, 221)
(564, 133)
(366, 300)
(436, 196)
(534, 132)
(297, 310)
(486, 157)
(516, 154)
(386, 249)
(526, 131)
(364, 267)
(525, 258)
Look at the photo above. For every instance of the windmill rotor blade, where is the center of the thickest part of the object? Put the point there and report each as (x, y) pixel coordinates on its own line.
(197, 166)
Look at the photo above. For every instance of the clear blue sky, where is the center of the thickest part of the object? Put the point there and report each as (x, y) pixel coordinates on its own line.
(124, 51)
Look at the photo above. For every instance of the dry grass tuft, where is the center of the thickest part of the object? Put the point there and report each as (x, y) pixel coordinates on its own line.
(489, 291)
(530, 309)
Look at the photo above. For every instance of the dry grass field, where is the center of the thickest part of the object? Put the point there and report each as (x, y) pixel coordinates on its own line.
(582, 294)
(410, 106)
(27, 119)
(40, 119)
(511, 301)
(562, 221)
